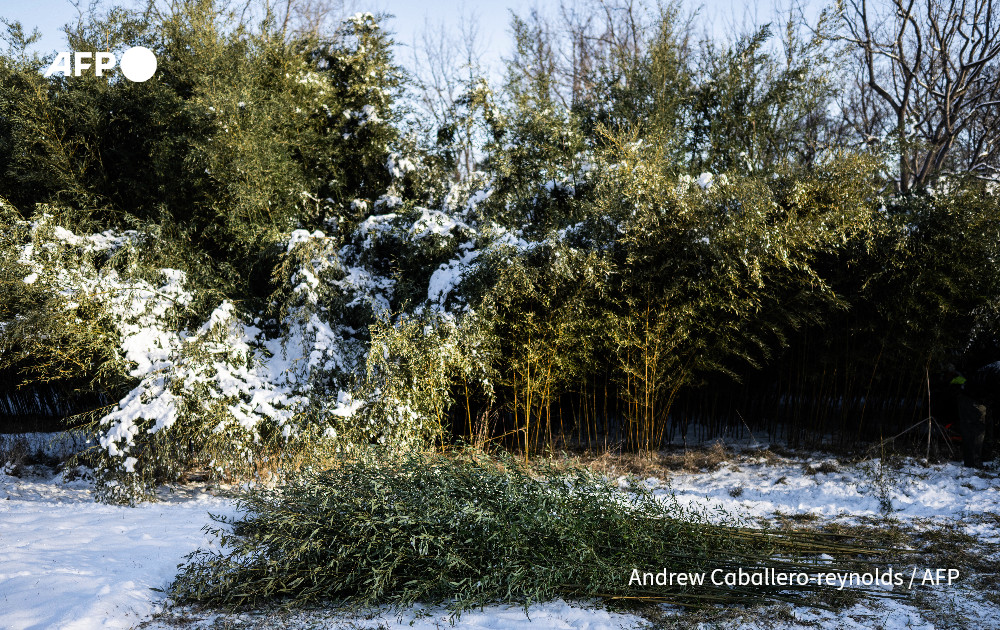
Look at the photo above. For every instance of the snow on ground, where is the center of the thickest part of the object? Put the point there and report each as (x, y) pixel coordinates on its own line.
(555, 615)
(756, 484)
(764, 485)
(67, 562)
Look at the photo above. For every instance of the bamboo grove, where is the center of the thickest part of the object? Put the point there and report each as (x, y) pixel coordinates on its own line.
(277, 247)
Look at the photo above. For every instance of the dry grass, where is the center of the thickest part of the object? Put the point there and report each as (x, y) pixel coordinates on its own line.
(666, 463)
(660, 465)
(826, 467)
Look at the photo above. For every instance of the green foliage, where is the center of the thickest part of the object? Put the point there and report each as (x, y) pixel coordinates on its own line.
(205, 406)
(648, 87)
(59, 297)
(538, 166)
(101, 314)
(413, 366)
(937, 286)
(466, 531)
(714, 276)
(754, 111)
(650, 215)
(544, 307)
(243, 135)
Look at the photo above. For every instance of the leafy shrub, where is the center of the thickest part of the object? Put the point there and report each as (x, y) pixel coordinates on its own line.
(191, 391)
(260, 253)
(467, 531)
(92, 306)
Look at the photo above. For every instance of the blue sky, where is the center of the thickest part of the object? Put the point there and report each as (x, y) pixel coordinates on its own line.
(494, 18)
(411, 17)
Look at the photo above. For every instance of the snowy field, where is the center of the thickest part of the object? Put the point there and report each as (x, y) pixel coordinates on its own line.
(68, 562)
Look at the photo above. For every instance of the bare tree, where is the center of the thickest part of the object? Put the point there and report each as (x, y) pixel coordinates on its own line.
(583, 43)
(928, 82)
(314, 18)
(317, 19)
(446, 66)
